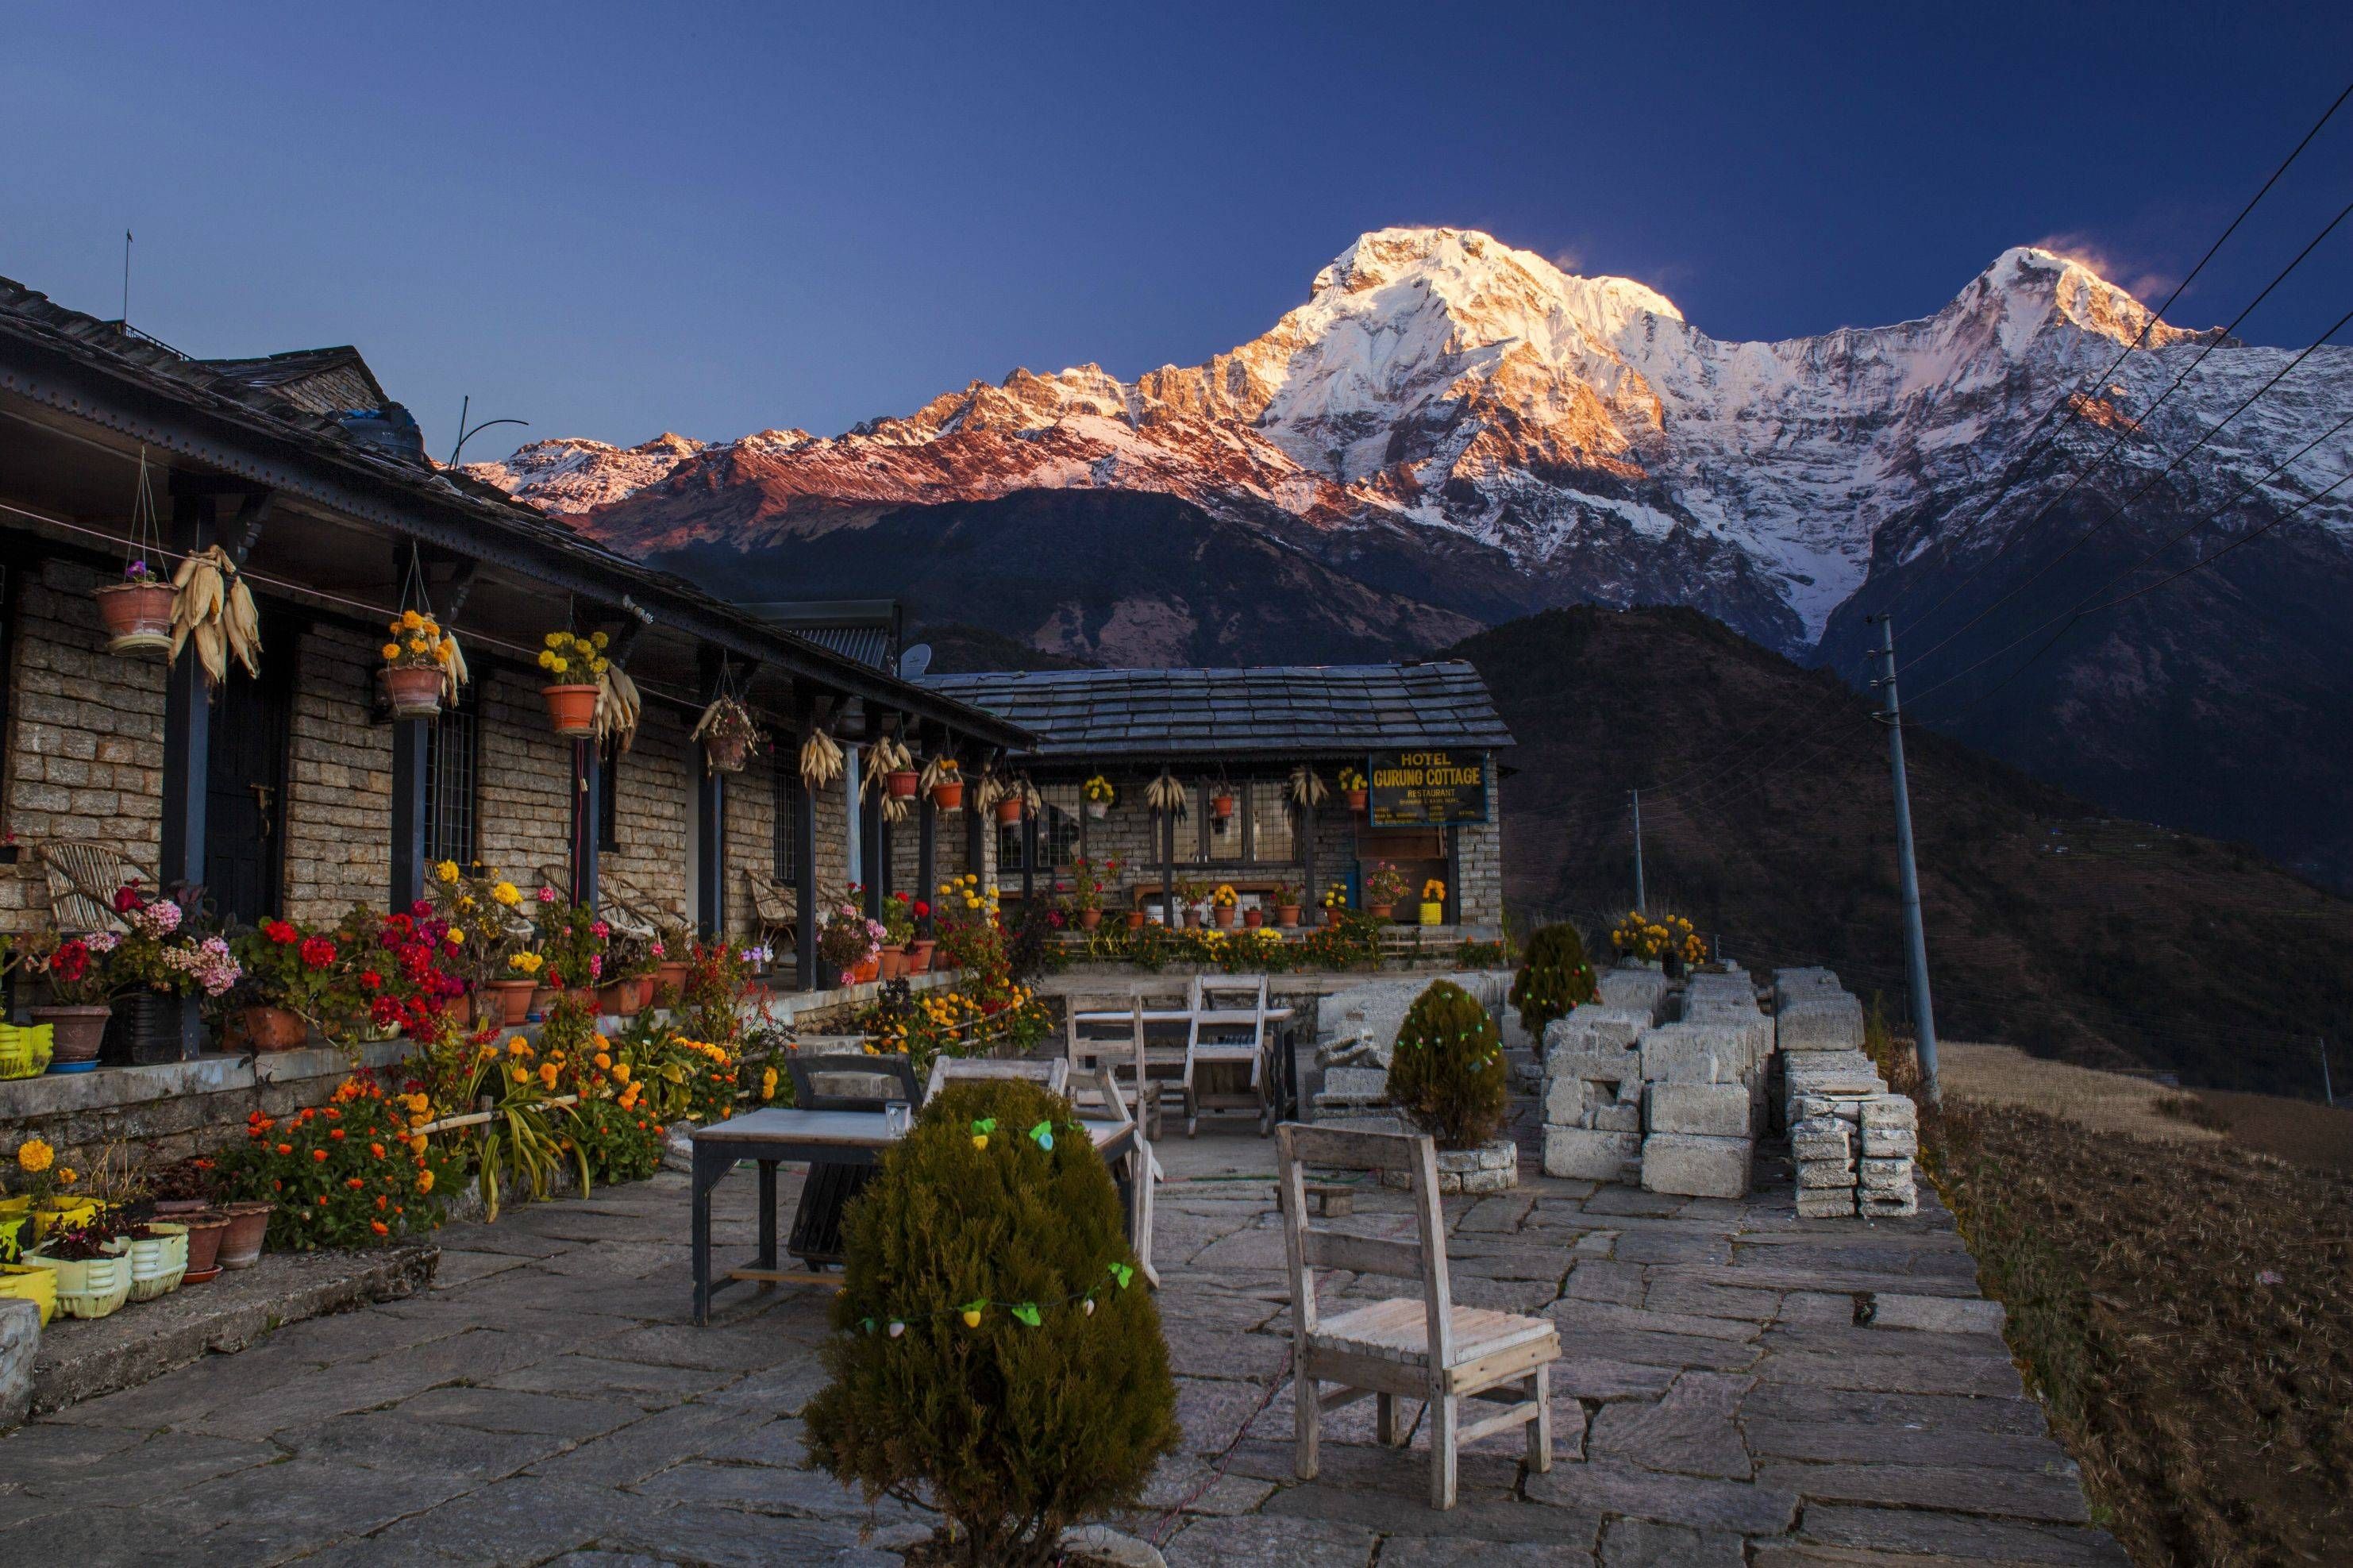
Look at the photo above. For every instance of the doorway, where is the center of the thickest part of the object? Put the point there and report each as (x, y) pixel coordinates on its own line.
(245, 798)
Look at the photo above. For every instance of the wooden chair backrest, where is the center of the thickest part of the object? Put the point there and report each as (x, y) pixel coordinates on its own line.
(1055, 1073)
(772, 901)
(1222, 1007)
(82, 882)
(1108, 1049)
(817, 1079)
(1308, 1246)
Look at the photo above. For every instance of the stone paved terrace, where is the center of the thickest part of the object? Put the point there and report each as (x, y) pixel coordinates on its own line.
(1738, 1386)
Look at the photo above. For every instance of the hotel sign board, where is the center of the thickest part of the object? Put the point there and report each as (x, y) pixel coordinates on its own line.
(1427, 789)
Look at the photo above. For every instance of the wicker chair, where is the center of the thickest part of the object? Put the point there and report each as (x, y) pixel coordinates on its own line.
(611, 902)
(630, 909)
(774, 910)
(82, 881)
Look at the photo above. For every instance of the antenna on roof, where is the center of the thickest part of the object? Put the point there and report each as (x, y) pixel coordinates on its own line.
(464, 435)
(126, 280)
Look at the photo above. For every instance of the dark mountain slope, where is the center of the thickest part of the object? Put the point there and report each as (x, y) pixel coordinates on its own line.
(2050, 927)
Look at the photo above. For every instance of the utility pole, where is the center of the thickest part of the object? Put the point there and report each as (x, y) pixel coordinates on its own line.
(1915, 941)
(1640, 902)
(2326, 1092)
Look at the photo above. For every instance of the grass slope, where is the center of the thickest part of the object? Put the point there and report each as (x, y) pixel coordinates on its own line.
(1767, 819)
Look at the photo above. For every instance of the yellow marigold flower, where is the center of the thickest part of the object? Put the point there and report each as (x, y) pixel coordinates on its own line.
(521, 1076)
(391, 650)
(416, 1144)
(66, 1175)
(410, 619)
(519, 1047)
(621, 1071)
(603, 1063)
(425, 1181)
(447, 871)
(456, 937)
(547, 1074)
(35, 1156)
(508, 893)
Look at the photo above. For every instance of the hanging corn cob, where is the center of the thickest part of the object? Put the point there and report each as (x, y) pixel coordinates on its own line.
(617, 707)
(1305, 789)
(822, 760)
(1165, 794)
(212, 606)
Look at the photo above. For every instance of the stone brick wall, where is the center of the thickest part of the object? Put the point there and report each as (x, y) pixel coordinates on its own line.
(653, 792)
(86, 737)
(527, 777)
(1479, 855)
(751, 819)
(338, 781)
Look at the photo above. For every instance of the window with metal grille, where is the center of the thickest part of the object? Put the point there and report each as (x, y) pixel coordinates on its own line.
(452, 755)
(788, 821)
(1057, 831)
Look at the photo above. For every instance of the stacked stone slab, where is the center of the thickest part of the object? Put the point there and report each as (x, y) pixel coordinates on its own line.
(1355, 1037)
(1644, 990)
(1593, 1093)
(1704, 1085)
(1853, 1140)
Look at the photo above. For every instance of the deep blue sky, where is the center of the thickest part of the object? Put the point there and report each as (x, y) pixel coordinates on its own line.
(613, 219)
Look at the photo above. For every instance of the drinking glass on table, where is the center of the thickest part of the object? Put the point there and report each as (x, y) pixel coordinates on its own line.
(897, 1117)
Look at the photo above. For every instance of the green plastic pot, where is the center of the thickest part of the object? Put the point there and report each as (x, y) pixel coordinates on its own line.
(91, 1287)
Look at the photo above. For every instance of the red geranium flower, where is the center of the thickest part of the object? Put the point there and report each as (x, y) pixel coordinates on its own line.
(371, 979)
(318, 953)
(401, 925)
(922, 910)
(126, 897)
(280, 932)
(70, 961)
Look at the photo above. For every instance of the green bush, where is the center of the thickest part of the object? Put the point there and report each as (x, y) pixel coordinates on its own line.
(1053, 1405)
(1554, 978)
(1448, 1074)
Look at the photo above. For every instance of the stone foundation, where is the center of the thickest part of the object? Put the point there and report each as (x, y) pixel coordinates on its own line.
(1490, 1168)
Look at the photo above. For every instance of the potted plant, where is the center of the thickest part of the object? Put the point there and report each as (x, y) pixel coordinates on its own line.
(898, 930)
(728, 733)
(1354, 789)
(1223, 901)
(897, 766)
(419, 665)
(1189, 896)
(1221, 804)
(1335, 903)
(850, 945)
(1098, 796)
(292, 979)
(51, 1197)
(575, 665)
(92, 1266)
(1285, 899)
(137, 611)
(1135, 919)
(1433, 903)
(1089, 878)
(75, 974)
(1448, 1078)
(515, 991)
(920, 946)
(165, 951)
(571, 943)
(1009, 807)
(1384, 885)
(248, 1228)
(947, 783)
(159, 1258)
(483, 912)
(671, 948)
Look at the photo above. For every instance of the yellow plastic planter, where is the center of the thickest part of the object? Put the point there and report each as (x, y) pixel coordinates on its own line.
(1433, 913)
(62, 1213)
(35, 1282)
(91, 1288)
(11, 1228)
(159, 1263)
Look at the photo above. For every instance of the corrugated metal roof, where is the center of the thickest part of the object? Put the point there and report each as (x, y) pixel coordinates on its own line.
(1288, 710)
(866, 644)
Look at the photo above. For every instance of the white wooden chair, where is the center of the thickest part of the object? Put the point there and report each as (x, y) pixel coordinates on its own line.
(1228, 1029)
(1427, 1348)
(1053, 1073)
(1150, 1071)
(1097, 1087)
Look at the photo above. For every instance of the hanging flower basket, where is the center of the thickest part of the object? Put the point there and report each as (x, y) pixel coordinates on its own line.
(727, 753)
(948, 794)
(1009, 810)
(138, 617)
(728, 733)
(416, 692)
(902, 783)
(571, 710)
(1222, 807)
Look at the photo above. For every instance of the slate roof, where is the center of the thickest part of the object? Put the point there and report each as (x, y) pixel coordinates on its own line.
(1276, 712)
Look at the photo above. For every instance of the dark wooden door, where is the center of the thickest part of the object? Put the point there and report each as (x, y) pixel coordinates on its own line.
(245, 804)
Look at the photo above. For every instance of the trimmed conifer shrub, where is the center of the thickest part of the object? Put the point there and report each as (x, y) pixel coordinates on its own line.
(1554, 978)
(1448, 1073)
(995, 1346)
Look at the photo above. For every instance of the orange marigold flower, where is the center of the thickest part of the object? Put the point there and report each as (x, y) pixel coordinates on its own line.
(285, 1149)
(354, 1182)
(379, 1227)
(337, 1135)
(376, 1150)
(320, 1155)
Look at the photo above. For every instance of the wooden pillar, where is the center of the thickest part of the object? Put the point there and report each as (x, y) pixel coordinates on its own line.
(710, 817)
(870, 838)
(975, 843)
(588, 784)
(188, 751)
(1312, 894)
(1029, 856)
(1168, 869)
(927, 870)
(408, 751)
(805, 887)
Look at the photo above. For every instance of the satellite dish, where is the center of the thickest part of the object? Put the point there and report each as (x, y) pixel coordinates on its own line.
(915, 660)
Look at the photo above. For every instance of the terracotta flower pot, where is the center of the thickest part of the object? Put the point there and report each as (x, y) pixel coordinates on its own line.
(892, 964)
(1089, 918)
(1355, 799)
(1381, 911)
(542, 997)
(274, 1029)
(867, 972)
(1009, 811)
(1192, 920)
(76, 1032)
(619, 999)
(948, 796)
(1333, 913)
(919, 956)
(1222, 807)
(416, 692)
(571, 709)
(1135, 919)
(903, 782)
(205, 1231)
(1223, 914)
(1286, 916)
(513, 999)
(644, 991)
(138, 618)
(727, 753)
(241, 1239)
(669, 975)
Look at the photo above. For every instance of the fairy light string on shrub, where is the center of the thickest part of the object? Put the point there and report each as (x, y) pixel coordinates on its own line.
(974, 1313)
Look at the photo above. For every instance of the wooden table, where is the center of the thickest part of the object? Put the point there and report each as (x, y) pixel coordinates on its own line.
(777, 1135)
(1287, 1074)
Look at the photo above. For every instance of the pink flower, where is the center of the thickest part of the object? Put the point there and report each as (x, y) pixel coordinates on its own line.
(547, 896)
(596, 965)
(598, 929)
(660, 951)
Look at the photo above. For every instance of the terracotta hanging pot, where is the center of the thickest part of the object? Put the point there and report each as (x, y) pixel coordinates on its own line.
(77, 1033)
(1222, 807)
(903, 782)
(416, 692)
(948, 796)
(1009, 810)
(619, 999)
(571, 709)
(138, 618)
(728, 753)
(1098, 809)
